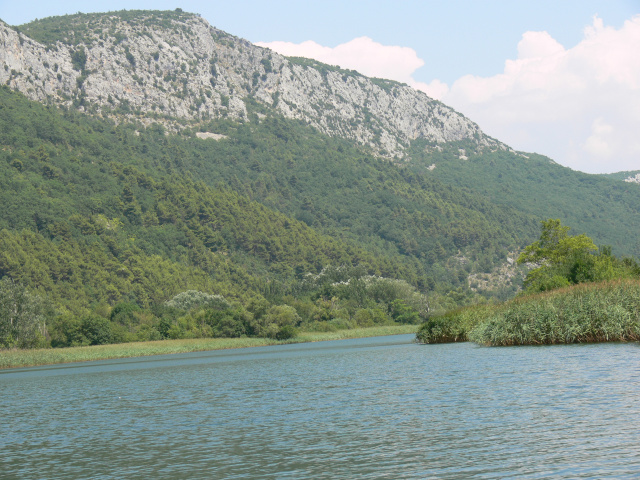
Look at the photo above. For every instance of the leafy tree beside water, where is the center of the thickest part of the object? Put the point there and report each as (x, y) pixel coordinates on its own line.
(565, 260)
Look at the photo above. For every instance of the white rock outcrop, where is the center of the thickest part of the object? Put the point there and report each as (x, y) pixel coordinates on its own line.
(161, 66)
(633, 178)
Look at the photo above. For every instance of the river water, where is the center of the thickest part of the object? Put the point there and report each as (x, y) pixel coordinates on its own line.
(367, 408)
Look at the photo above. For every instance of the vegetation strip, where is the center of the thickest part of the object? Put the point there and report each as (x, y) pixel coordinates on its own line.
(37, 357)
(598, 312)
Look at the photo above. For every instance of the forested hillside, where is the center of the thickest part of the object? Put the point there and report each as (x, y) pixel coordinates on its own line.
(98, 215)
(603, 206)
(174, 181)
(629, 177)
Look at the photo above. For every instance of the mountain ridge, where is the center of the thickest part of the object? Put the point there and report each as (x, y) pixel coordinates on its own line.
(155, 65)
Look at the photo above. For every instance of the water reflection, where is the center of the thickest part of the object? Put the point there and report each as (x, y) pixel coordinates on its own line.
(368, 408)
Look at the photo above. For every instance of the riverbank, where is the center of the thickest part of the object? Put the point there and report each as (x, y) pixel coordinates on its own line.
(593, 312)
(51, 356)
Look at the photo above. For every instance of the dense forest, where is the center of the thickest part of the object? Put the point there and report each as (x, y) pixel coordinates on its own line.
(100, 219)
(604, 206)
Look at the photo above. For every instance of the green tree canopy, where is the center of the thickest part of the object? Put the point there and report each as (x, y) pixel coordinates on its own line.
(556, 245)
(565, 260)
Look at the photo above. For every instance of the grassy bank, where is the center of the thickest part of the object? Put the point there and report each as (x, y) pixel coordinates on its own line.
(597, 312)
(30, 358)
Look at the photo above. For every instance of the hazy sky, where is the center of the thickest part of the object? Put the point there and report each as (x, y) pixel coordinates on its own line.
(560, 77)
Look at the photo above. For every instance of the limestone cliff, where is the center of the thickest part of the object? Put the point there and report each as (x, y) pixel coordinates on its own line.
(168, 66)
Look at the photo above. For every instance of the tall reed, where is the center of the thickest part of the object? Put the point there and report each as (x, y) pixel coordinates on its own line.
(597, 312)
(452, 326)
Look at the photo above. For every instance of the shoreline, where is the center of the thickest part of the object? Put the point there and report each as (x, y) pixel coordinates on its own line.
(10, 359)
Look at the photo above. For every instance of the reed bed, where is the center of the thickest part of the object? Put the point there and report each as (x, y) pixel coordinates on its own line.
(50, 356)
(452, 326)
(598, 312)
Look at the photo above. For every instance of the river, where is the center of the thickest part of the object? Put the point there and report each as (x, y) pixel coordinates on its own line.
(375, 408)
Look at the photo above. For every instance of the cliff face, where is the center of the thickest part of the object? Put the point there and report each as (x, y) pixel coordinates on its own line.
(162, 66)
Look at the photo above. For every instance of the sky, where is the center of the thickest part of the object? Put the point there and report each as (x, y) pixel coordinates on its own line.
(556, 77)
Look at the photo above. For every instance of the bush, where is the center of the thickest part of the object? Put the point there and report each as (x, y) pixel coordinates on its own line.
(341, 324)
(276, 318)
(595, 312)
(320, 326)
(226, 324)
(148, 333)
(286, 332)
(66, 331)
(600, 312)
(403, 313)
(125, 314)
(368, 317)
(452, 326)
(97, 330)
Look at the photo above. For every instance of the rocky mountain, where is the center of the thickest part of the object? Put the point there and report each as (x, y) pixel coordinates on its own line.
(167, 66)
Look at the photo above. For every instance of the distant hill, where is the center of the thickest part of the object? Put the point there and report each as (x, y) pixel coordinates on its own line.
(603, 206)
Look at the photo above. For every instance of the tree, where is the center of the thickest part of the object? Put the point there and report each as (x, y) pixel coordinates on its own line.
(23, 316)
(403, 313)
(555, 245)
(194, 299)
(79, 59)
(124, 313)
(279, 322)
(227, 323)
(562, 259)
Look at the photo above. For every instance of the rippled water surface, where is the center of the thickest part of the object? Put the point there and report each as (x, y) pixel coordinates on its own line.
(368, 408)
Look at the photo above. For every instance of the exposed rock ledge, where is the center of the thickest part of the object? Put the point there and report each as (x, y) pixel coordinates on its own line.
(633, 179)
(161, 65)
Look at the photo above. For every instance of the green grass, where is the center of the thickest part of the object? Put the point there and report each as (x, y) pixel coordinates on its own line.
(596, 312)
(30, 358)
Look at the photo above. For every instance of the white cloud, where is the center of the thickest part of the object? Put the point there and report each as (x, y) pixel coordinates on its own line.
(364, 55)
(580, 106)
(600, 142)
(436, 89)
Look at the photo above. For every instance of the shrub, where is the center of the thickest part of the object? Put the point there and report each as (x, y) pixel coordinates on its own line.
(286, 332)
(276, 318)
(66, 331)
(596, 312)
(97, 330)
(227, 323)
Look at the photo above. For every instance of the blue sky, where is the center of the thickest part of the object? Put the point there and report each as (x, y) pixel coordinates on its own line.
(554, 77)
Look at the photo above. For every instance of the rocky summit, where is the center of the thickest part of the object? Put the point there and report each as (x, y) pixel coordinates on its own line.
(175, 68)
